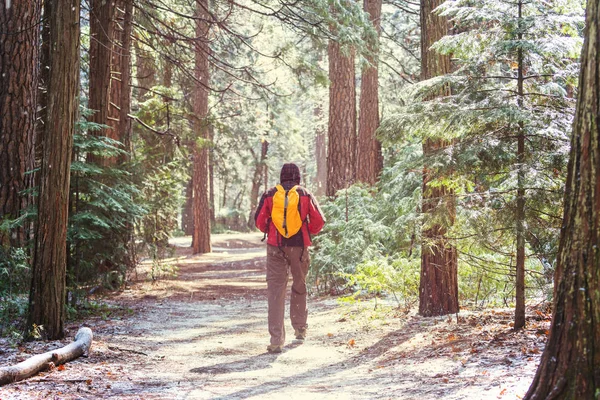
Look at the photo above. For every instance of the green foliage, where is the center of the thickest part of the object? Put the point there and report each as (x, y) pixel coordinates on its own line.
(350, 237)
(479, 120)
(398, 277)
(161, 268)
(15, 273)
(15, 277)
(87, 308)
(160, 167)
(103, 210)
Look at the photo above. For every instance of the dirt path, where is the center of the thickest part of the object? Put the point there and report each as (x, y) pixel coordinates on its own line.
(203, 335)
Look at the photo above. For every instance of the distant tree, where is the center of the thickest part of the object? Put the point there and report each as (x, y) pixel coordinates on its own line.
(47, 296)
(438, 293)
(369, 160)
(320, 151)
(102, 27)
(201, 205)
(19, 49)
(569, 365)
(521, 154)
(125, 79)
(257, 178)
(145, 64)
(341, 153)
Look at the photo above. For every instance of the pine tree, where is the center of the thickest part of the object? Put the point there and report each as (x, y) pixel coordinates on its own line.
(510, 83)
(438, 293)
(102, 27)
(341, 153)
(47, 296)
(369, 160)
(201, 206)
(497, 100)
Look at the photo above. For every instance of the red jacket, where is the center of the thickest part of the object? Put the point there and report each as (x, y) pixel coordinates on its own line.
(309, 212)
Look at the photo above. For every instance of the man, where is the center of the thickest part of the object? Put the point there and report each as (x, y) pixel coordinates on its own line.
(288, 214)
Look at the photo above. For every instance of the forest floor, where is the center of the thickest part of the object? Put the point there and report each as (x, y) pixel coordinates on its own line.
(202, 334)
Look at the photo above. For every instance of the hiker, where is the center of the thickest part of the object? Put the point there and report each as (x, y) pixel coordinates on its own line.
(288, 214)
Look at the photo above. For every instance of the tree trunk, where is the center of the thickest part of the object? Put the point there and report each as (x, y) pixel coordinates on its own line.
(520, 266)
(125, 100)
(259, 172)
(187, 214)
(19, 49)
(438, 292)
(102, 15)
(569, 365)
(116, 73)
(201, 206)
(41, 362)
(225, 187)
(320, 152)
(368, 150)
(341, 153)
(145, 67)
(211, 176)
(125, 128)
(47, 297)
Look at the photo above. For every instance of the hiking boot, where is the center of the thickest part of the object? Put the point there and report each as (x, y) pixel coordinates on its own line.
(300, 333)
(274, 348)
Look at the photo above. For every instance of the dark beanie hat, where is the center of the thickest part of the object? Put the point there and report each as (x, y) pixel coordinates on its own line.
(290, 173)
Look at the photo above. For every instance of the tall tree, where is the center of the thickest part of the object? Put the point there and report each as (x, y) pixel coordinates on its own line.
(19, 48)
(47, 297)
(125, 100)
(145, 65)
(102, 26)
(257, 178)
(520, 223)
(569, 365)
(201, 205)
(116, 71)
(509, 100)
(320, 151)
(368, 151)
(438, 291)
(187, 214)
(341, 152)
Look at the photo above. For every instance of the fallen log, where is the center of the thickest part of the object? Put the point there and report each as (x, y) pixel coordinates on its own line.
(42, 362)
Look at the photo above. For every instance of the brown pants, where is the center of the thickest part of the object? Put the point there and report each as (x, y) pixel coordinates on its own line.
(279, 263)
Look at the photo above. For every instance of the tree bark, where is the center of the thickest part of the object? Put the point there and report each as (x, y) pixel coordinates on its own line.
(341, 152)
(41, 362)
(187, 214)
(259, 172)
(201, 206)
(320, 152)
(47, 296)
(125, 100)
(520, 265)
(569, 365)
(368, 150)
(144, 65)
(19, 49)
(211, 176)
(438, 292)
(102, 16)
(116, 73)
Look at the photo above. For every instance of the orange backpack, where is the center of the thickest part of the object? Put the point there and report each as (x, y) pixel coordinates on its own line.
(285, 213)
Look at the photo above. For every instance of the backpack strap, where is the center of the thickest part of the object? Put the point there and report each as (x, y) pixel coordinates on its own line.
(268, 226)
(285, 207)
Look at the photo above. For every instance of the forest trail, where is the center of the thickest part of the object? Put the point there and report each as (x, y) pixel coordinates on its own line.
(203, 335)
